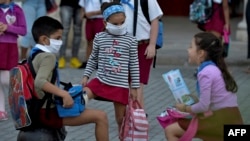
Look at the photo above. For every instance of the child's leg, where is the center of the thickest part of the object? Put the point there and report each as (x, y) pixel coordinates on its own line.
(4, 83)
(91, 116)
(120, 110)
(89, 48)
(89, 95)
(140, 95)
(173, 132)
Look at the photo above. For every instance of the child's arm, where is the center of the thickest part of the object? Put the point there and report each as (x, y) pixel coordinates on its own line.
(46, 64)
(82, 12)
(92, 13)
(134, 65)
(51, 88)
(93, 58)
(19, 27)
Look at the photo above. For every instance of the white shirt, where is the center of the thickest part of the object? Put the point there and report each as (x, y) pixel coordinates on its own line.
(218, 1)
(143, 27)
(92, 5)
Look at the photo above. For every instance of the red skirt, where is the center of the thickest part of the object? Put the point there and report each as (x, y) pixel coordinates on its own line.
(8, 55)
(211, 128)
(107, 92)
(217, 21)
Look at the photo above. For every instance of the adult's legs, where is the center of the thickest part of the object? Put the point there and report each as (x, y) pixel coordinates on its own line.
(77, 20)
(145, 67)
(66, 13)
(77, 32)
(91, 116)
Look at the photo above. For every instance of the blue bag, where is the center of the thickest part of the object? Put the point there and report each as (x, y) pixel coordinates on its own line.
(159, 41)
(79, 104)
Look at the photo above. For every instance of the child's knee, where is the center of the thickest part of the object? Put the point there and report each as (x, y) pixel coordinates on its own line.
(102, 116)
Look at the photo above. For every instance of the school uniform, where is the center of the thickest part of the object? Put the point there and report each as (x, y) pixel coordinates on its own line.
(142, 32)
(117, 61)
(215, 99)
(14, 18)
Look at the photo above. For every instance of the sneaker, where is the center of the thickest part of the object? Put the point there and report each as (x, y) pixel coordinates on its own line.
(3, 116)
(75, 62)
(62, 62)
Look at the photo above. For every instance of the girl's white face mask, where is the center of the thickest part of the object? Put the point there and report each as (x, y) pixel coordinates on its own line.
(116, 29)
(54, 46)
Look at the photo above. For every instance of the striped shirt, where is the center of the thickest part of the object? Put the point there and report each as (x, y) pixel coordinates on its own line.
(116, 58)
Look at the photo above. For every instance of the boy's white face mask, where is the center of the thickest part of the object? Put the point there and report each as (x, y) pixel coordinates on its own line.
(54, 46)
(116, 29)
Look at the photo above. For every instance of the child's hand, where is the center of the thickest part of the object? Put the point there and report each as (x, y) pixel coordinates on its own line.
(150, 51)
(181, 107)
(3, 27)
(133, 94)
(84, 81)
(67, 100)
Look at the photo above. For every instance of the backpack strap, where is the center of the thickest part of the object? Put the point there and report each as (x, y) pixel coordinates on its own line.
(144, 7)
(48, 96)
(135, 16)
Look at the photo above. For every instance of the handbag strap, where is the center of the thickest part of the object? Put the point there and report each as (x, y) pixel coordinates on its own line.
(191, 130)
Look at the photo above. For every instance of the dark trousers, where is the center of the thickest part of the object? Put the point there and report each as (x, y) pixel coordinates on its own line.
(248, 28)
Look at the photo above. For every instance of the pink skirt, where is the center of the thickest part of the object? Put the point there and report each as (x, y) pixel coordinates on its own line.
(107, 92)
(8, 55)
(217, 21)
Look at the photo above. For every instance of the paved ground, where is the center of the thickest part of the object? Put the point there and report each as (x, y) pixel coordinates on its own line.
(157, 97)
(178, 33)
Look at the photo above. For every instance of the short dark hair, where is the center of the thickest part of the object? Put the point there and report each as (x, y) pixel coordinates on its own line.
(45, 25)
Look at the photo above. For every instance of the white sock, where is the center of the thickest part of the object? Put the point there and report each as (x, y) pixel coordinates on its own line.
(86, 98)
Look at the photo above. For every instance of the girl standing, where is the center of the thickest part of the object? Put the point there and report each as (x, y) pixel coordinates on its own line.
(12, 24)
(115, 55)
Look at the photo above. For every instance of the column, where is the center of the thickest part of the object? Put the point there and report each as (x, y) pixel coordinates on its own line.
(241, 33)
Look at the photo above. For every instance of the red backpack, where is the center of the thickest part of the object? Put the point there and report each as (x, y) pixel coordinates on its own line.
(23, 99)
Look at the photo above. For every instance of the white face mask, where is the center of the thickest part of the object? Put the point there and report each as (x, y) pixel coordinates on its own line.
(54, 46)
(116, 29)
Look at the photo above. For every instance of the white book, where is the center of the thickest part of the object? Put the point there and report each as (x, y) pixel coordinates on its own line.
(178, 87)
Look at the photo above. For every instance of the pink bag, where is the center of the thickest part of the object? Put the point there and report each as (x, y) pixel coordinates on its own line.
(171, 115)
(135, 124)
